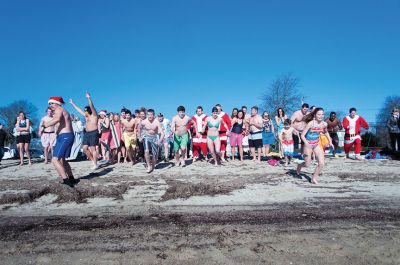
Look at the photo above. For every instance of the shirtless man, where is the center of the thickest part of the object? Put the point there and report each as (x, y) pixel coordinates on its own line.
(48, 135)
(255, 134)
(139, 118)
(91, 135)
(65, 139)
(130, 136)
(152, 138)
(334, 125)
(299, 124)
(179, 127)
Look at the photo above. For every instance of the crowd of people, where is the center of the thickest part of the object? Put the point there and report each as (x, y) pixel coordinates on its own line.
(144, 136)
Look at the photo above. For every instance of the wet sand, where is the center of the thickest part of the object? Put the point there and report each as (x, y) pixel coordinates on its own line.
(247, 213)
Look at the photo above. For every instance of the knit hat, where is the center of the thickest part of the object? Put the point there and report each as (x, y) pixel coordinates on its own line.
(56, 100)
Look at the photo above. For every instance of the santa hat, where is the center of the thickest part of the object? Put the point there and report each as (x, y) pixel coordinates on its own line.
(56, 100)
(103, 112)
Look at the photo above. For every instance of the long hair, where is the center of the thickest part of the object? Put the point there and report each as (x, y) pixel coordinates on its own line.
(233, 116)
(310, 116)
(277, 112)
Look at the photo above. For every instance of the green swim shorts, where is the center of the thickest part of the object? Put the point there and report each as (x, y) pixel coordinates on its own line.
(180, 141)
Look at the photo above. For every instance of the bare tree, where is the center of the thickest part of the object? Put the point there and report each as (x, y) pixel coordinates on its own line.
(8, 114)
(283, 92)
(383, 115)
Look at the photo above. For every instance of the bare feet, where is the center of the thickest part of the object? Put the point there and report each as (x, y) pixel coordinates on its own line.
(314, 181)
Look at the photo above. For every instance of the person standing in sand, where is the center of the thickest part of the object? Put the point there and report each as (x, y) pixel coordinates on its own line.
(299, 124)
(286, 140)
(48, 136)
(224, 131)
(91, 134)
(23, 137)
(255, 134)
(179, 127)
(65, 139)
(152, 139)
(334, 125)
(213, 124)
(130, 136)
(199, 136)
(311, 137)
(352, 125)
(168, 135)
(103, 126)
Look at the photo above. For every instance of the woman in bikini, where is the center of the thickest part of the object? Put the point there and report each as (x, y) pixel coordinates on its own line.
(213, 124)
(311, 137)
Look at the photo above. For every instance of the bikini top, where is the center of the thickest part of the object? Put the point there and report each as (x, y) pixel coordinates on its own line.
(314, 132)
(210, 125)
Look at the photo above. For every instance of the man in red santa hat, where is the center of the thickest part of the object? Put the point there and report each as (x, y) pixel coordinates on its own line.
(223, 132)
(65, 139)
(199, 138)
(352, 125)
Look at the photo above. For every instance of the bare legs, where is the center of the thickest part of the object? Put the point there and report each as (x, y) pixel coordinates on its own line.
(24, 148)
(215, 149)
(91, 153)
(319, 155)
(181, 161)
(266, 148)
(240, 149)
(253, 153)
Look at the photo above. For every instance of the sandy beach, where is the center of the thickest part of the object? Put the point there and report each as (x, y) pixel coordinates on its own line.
(237, 213)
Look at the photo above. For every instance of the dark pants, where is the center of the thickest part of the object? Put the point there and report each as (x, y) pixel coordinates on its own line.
(395, 137)
(1, 152)
(335, 140)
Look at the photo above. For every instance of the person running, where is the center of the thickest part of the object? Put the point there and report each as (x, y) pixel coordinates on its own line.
(393, 125)
(91, 135)
(103, 125)
(65, 139)
(116, 137)
(236, 137)
(279, 119)
(23, 137)
(199, 136)
(224, 131)
(268, 136)
(286, 141)
(180, 126)
(255, 134)
(168, 135)
(48, 136)
(352, 125)
(213, 125)
(152, 138)
(130, 136)
(299, 124)
(334, 125)
(311, 137)
(139, 118)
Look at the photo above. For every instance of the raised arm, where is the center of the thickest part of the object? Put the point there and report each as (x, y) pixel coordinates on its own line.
(94, 112)
(77, 108)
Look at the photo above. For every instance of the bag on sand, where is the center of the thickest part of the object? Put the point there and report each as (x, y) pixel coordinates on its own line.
(273, 162)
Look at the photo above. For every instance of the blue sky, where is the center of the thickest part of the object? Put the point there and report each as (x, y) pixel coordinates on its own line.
(162, 54)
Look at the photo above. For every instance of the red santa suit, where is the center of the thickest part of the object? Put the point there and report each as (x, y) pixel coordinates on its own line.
(199, 143)
(352, 134)
(223, 135)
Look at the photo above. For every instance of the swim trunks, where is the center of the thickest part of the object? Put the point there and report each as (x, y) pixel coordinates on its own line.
(288, 147)
(255, 139)
(150, 144)
(48, 139)
(180, 141)
(130, 140)
(64, 145)
(91, 138)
